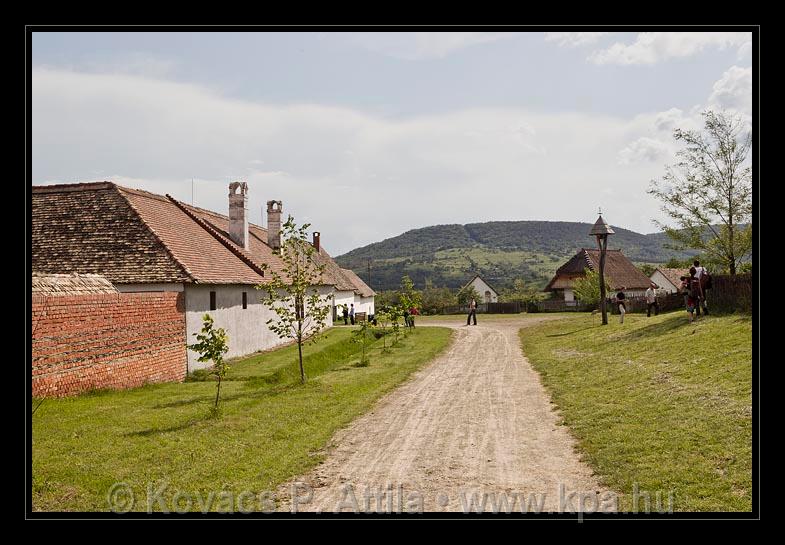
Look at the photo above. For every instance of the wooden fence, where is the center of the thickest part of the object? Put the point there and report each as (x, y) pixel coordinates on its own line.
(730, 293)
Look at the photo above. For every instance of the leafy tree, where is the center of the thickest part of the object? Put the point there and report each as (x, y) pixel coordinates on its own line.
(383, 319)
(409, 297)
(521, 292)
(211, 346)
(395, 313)
(435, 299)
(647, 268)
(361, 336)
(676, 263)
(467, 294)
(708, 192)
(587, 288)
(300, 310)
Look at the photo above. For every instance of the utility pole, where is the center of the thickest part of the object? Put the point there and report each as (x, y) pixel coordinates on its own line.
(369, 273)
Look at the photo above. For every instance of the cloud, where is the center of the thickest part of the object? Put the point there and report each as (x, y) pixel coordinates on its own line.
(654, 47)
(416, 46)
(574, 39)
(733, 91)
(357, 178)
(643, 149)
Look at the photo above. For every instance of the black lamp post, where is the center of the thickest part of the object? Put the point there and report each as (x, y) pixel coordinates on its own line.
(601, 230)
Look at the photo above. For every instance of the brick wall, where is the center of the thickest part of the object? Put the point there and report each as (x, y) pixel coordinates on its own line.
(106, 341)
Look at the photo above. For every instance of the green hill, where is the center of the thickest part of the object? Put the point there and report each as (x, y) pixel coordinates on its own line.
(498, 250)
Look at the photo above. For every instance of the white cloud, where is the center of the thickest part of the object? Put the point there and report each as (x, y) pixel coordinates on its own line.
(653, 47)
(574, 39)
(459, 167)
(733, 91)
(643, 149)
(422, 45)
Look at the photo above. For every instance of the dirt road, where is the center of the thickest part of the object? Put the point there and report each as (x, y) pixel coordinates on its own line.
(474, 426)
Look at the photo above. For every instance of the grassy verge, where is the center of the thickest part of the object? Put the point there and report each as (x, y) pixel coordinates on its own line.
(272, 427)
(656, 402)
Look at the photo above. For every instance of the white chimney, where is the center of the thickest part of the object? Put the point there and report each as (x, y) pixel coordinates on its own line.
(274, 224)
(238, 214)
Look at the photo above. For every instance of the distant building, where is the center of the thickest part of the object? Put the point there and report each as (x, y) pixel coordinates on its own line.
(619, 272)
(488, 294)
(668, 279)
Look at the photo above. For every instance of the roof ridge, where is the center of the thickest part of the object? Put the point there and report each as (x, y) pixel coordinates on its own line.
(155, 235)
(218, 236)
(65, 188)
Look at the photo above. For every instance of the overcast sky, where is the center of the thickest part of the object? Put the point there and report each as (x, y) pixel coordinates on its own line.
(368, 135)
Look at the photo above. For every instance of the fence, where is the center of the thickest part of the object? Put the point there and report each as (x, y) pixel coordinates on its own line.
(730, 293)
(486, 308)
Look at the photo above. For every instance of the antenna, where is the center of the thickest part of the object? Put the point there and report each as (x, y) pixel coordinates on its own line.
(192, 191)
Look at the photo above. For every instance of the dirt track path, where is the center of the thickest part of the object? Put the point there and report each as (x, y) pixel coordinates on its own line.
(475, 421)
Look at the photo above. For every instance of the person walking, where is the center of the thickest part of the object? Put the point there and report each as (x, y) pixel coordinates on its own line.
(651, 300)
(345, 315)
(691, 288)
(472, 312)
(412, 313)
(622, 306)
(351, 314)
(699, 272)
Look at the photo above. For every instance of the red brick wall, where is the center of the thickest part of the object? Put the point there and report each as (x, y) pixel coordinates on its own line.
(116, 341)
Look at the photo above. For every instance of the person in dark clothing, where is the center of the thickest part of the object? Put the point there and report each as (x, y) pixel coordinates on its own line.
(651, 300)
(345, 315)
(472, 312)
(622, 306)
(405, 318)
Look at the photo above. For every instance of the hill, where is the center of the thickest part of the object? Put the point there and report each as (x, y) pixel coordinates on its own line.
(498, 250)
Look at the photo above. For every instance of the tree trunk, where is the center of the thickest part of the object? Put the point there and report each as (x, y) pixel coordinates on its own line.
(300, 354)
(218, 391)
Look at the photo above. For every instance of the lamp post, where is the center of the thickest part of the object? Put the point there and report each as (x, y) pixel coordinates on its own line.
(601, 230)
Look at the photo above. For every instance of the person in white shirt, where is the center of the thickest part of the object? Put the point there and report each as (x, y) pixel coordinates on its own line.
(651, 300)
(699, 271)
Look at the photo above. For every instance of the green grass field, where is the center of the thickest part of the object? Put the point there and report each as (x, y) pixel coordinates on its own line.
(657, 402)
(272, 427)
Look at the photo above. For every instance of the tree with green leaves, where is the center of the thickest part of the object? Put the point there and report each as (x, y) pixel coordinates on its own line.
(468, 293)
(707, 193)
(211, 346)
(587, 288)
(301, 311)
(409, 297)
(521, 292)
(361, 335)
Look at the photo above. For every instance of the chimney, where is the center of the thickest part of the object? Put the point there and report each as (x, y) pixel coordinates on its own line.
(274, 224)
(238, 213)
(316, 235)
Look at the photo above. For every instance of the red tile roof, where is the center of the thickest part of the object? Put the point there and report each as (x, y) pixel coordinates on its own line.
(360, 287)
(134, 236)
(619, 271)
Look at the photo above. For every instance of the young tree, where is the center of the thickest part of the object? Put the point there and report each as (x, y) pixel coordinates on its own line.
(300, 310)
(587, 288)
(409, 297)
(361, 336)
(467, 294)
(708, 192)
(211, 346)
(521, 292)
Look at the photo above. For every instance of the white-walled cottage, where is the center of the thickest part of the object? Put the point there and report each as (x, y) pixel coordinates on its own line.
(488, 294)
(143, 242)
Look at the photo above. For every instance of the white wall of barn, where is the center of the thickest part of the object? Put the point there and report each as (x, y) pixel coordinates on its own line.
(247, 328)
(481, 287)
(662, 281)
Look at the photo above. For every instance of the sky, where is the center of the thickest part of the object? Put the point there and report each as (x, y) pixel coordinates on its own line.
(369, 135)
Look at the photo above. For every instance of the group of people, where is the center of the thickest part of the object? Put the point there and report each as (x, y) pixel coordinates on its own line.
(348, 313)
(408, 316)
(693, 287)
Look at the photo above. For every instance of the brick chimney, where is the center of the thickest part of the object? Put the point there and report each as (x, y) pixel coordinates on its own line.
(316, 235)
(238, 213)
(274, 209)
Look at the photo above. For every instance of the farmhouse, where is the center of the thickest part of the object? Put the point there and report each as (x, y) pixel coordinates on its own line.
(142, 242)
(488, 294)
(619, 272)
(668, 279)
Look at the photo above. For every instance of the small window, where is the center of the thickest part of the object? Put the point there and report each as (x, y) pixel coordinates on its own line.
(245, 300)
(212, 300)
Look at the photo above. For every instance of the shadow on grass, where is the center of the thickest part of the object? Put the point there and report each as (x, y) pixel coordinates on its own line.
(574, 331)
(248, 393)
(661, 328)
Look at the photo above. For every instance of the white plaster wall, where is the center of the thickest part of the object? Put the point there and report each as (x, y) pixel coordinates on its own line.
(247, 328)
(343, 298)
(569, 295)
(481, 288)
(364, 304)
(662, 281)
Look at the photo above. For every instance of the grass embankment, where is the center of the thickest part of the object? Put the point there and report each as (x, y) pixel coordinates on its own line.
(656, 402)
(272, 427)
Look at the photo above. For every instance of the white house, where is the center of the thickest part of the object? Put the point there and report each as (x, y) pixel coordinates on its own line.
(488, 294)
(142, 241)
(668, 279)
